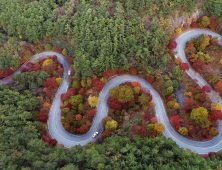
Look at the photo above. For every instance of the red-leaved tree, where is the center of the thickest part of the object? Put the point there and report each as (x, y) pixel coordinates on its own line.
(114, 104)
(203, 97)
(69, 106)
(198, 65)
(43, 117)
(52, 142)
(215, 115)
(188, 109)
(189, 101)
(50, 82)
(23, 69)
(147, 116)
(133, 71)
(9, 71)
(206, 89)
(174, 120)
(172, 45)
(184, 66)
(92, 112)
(194, 24)
(218, 86)
(98, 85)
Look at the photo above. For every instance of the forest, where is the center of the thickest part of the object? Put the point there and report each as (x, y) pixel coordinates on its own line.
(102, 39)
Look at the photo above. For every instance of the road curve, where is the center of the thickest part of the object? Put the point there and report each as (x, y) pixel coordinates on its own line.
(214, 144)
(68, 140)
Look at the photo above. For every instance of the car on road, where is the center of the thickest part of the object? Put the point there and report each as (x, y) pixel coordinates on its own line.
(69, 72)
(94, 135)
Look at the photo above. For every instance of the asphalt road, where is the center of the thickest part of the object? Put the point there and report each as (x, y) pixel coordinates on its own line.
(68, 140)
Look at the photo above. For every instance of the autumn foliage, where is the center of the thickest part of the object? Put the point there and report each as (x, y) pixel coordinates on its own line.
(52, 142)
(194, 24)
(184, 66)
(51, 83)
(172, 45)
(174, 120)
(206, 89)
(218, 86)
(189, 101)
(114, 104)
(43, 117)
(92, 112)
(78, 117)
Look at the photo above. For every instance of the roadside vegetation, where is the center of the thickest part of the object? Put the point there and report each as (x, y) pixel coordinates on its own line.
(101, 39)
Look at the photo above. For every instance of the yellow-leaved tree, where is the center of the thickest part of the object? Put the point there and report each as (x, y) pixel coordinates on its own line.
(93, 101)
(59, 80)
(200, 116)
(111, 125)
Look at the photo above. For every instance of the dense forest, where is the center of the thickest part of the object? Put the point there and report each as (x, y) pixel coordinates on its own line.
(104, 35)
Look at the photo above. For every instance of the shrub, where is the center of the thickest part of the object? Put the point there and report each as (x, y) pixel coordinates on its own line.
(200, 116)
(47, 47)
(93, 101)
(183, 131)
(172, 45)
(92, 112)
(159, 127)
(213, 131)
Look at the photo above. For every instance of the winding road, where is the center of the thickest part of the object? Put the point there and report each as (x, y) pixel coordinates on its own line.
(57, 131)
